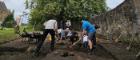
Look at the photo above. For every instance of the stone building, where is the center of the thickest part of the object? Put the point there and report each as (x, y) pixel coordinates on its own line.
(3, 11)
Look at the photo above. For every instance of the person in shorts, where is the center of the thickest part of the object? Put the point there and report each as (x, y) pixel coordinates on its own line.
(90, 30)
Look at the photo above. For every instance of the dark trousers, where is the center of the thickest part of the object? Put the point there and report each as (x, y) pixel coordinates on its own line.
(73, 38)
(45, 33)
(94, 40)
(85, 44)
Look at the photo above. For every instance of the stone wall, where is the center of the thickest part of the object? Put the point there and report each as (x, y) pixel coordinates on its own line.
(121, 23)
(3, 11)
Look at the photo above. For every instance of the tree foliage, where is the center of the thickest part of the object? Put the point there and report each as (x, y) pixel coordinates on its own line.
(9, 20)
(42, 10)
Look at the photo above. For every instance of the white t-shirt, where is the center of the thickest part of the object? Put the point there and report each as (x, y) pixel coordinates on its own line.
(69, 33)
(68, 23)
(85, 38)
(50, 24)
(59, 30)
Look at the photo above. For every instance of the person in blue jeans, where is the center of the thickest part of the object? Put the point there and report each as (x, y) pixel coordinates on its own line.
(90, 30)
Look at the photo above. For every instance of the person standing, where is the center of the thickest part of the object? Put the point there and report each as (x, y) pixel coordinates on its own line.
(68, 24)
(90, 30)
(50, 27)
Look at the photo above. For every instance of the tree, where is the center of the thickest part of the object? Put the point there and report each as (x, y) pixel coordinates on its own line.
(64, 9)
(9, 20)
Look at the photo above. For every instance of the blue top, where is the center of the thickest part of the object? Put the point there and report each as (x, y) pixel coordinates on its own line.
(88, 26)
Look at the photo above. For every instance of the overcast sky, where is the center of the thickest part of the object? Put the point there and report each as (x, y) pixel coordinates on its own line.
(18, 5)
(113, 3)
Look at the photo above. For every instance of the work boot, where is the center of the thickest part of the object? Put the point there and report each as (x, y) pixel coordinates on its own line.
(90, 52)
(94, 47)
(36, 54)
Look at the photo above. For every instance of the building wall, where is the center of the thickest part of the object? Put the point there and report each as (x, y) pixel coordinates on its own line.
(121, 23)
(3, 11)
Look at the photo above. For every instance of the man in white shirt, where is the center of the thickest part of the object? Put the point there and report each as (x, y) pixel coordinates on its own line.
(68, 24)
(51, 24)
(50, 27)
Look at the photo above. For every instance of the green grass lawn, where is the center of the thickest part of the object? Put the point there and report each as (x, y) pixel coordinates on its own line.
(7, 34)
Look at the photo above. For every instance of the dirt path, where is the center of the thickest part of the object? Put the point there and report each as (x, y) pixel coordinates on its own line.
(119, 50)
(16, 50)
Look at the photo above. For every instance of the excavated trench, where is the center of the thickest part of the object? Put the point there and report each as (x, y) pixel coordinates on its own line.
(62, 52)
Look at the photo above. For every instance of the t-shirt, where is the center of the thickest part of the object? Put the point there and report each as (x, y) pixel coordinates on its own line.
(50, 24)
(69, 33)
(85, 38)
(59, 30)
(68, 23)
(88, 26)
